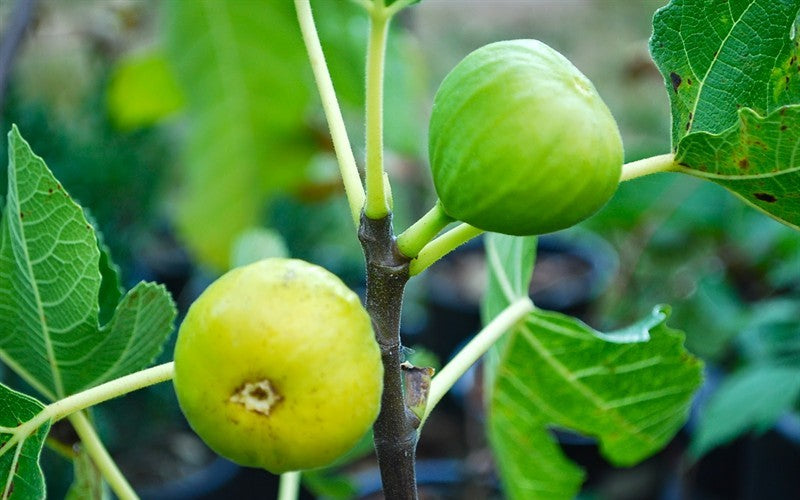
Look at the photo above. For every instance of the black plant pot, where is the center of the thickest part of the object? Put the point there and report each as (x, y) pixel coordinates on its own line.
(570, 272)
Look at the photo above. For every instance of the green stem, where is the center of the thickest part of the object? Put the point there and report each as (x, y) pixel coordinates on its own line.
(289, 487)
(341, 143)
(441, 246)
(647, 166)
(414, 239)
(377, 205)
(110, 390)
(105, 464)
(473, 351)
(90, 397)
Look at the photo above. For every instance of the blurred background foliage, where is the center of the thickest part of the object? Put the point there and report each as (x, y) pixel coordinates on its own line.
(192, 131)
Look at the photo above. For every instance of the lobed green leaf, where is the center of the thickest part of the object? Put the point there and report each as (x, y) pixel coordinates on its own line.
(630, 389)
(732, 72)
(52, 276)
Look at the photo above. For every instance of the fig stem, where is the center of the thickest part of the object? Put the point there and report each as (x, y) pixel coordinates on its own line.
(419, 234)
(472, 352)
(441, 246)
(377, 205)
(90, 397)
(395, 433)
(289, 486)
(102, 460)
(353, 187)
(647, 166)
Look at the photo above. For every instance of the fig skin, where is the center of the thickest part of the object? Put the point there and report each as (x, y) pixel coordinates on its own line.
(520, 142)
(276, 366)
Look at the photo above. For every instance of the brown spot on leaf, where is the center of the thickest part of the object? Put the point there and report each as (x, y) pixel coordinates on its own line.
(676, 80)
(784, 127)
(744, 164)
(688, 81)
(765, 197)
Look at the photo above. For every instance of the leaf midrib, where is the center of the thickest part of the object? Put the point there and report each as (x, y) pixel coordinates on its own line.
(714, 61)
(59, 389)
(577, 385)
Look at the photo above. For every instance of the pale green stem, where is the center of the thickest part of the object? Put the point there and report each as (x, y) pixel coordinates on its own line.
(110, 390)
(289, 487)
(90, 397)
(441, 246)
(472, 352)
(414, 239)
(92, 444)
(341, 143)
(647, 166)
(377, 206)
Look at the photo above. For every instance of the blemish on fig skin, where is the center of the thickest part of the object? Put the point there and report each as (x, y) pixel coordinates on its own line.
(259, 396)
(676, 81)
(765, 197)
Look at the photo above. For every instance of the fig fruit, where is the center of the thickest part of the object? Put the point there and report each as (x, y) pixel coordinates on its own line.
(520, 141)
(276, 366)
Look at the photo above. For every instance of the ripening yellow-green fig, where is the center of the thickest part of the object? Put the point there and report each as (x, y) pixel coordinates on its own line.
(276, 366)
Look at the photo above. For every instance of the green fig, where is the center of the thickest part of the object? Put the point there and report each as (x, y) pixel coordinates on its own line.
(520, 141)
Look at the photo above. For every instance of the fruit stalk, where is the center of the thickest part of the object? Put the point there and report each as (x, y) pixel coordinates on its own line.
(395, 429)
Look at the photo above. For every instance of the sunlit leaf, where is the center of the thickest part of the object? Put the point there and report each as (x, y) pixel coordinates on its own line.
(630, 389)
(733, 76)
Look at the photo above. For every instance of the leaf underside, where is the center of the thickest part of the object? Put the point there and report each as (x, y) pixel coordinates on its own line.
(629, 389)
(20, 473)
(51, 277)
(732, 73)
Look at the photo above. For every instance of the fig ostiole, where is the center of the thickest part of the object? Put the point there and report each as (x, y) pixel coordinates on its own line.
(276, 366)
(520, 142)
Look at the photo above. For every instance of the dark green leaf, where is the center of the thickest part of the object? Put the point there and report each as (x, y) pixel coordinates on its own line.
(732, 72)
(718, 56)
(755, 159)
(750, 400)
(111, 283)
(20, 474)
